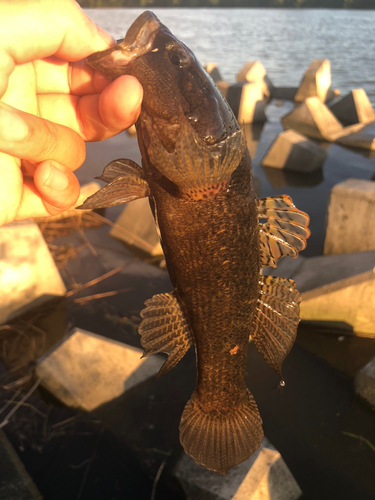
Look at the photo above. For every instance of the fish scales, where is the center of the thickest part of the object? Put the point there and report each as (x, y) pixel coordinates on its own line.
(196, 171)
(218, 290)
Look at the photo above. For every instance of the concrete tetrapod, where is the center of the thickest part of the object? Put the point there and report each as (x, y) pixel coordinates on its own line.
(136, 228)
(315, 82)
(27, 278)
(246, 101)
(355, 107)
(338, 291)
(88, 370)
(263, 476)
(293, 151)
(364, 383)
(213, 70)
(351, 217)
(254, 71)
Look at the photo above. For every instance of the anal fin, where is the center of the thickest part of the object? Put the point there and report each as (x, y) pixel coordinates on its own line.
(285, 231)
(125, 183)
(164, 329)
(275, 324)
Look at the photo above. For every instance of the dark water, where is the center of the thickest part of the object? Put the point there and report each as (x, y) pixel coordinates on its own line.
(284, 40)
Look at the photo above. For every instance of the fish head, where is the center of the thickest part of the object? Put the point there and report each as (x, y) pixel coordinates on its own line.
(175, 84)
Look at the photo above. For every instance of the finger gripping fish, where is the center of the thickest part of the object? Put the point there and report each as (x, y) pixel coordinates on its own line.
(196, 171)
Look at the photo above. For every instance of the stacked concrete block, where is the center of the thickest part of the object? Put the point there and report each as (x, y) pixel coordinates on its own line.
(28, 274)
(15, 482)
(264, 476)
(88, 370)
(252, 134)
(351, 217)
(364, 383)
(213, 70)
(354, 108)
(131, 131)
(362, 138)
(293, 151)
(338, 291)
(315, 82)
(136, 228)
(313, 119)
(223, 87)
(246, 101)
(254, 71)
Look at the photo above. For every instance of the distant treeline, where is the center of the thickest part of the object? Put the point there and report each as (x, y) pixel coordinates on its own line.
(299, 4)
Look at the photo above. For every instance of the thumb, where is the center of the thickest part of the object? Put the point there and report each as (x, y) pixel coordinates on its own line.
(58, 187)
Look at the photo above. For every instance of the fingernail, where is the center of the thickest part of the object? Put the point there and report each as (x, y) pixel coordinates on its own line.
(12, 127)
(56, 179)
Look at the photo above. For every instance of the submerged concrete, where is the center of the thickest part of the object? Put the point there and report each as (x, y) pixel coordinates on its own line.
(316, 81)
(28, 274)
(263, 476)
(88, 370)
(351, 218)
(293, 151)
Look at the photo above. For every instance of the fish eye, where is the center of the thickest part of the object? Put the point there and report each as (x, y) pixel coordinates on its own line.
(175, 59)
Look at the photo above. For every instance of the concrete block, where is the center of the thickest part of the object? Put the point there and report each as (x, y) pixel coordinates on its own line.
(213, 70)
(284, 93)
(363, 137)
(338, 291)
(88, 370)
(15, 482)
(293, 151)
(315, 82)
(264, 476)
(313, 119)
(353, 108)
(136, 228)
(351, 218)
(254, 71)
(364, 383)
(246, 101)
(28, 274)
(223, 87)
(253, 132)
(131, 131)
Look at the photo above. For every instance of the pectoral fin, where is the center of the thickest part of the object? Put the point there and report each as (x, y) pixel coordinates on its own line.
(275, 325)
(284, 233)
(164, 329)
(125, 183)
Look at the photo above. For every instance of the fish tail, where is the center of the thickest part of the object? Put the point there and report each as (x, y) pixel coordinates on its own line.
(221, 439)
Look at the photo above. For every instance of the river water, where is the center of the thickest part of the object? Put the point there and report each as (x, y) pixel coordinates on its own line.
(284, 40)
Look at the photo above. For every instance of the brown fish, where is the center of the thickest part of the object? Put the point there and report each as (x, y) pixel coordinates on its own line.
(196, 171)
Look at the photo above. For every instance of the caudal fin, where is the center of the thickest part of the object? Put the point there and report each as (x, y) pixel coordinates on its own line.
(220, 440)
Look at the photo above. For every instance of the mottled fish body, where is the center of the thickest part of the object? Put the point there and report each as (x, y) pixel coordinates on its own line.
(196, 171)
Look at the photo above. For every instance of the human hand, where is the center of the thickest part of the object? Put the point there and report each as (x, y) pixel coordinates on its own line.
(51, 102)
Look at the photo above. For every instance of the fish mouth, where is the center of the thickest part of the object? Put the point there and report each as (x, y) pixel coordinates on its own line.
(138, 40)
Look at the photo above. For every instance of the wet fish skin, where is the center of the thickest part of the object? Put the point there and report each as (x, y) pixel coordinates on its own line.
(198, 177)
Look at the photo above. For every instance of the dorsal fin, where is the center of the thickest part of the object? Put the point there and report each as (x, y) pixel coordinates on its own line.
(275, 324)
(285, 231)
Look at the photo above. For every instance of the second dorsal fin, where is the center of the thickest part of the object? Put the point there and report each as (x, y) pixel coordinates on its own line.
(285, 231)
(276, 320)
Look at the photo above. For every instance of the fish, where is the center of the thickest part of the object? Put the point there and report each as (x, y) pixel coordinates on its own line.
(216, 236)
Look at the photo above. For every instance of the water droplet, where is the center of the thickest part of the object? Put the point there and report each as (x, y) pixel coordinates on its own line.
(282, 383)
(341, 338)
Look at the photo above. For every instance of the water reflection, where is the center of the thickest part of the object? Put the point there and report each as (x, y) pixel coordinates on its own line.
(279, 178)
(253, 132)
